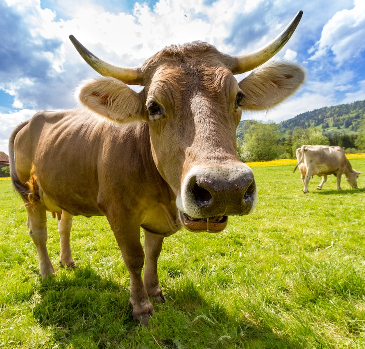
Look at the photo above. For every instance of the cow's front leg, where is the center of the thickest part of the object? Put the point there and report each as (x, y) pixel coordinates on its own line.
(64, 229)
(152, 246)
(324, 180)
(339, 175)
(129, 243)
(37, 224)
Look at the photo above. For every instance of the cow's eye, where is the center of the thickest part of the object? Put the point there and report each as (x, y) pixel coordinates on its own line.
(155, 111)
(239, 98)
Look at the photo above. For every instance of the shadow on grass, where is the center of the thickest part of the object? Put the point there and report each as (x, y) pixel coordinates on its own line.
(86, 311)
(342, 192)
(80, 306)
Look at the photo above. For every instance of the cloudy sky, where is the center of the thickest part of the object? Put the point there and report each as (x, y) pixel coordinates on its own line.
(40, 69)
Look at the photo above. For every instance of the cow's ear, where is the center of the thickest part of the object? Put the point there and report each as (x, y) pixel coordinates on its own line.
(270, 84)
(113, 99)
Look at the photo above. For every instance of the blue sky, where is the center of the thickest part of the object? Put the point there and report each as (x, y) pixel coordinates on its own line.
(40, 69)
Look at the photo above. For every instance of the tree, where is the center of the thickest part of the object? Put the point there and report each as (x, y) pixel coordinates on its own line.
(260, 142)
(360, 140)
(309, 136)
(4, 171)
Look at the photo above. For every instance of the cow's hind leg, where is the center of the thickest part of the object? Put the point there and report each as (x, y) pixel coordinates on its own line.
(324, 180)
(128, 238)
(152, 247)
(37, 224)
(64, 229)
(306, 182)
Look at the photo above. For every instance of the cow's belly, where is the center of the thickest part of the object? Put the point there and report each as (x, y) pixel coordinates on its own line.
(321, 170)
(73, 203)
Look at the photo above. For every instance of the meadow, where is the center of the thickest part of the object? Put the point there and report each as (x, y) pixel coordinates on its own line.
(290, 275)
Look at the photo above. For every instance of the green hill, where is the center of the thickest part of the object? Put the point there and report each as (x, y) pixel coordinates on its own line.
(332, 121)
(343, 119)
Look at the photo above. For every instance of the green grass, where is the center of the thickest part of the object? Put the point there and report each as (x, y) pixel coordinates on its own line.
(290, 275)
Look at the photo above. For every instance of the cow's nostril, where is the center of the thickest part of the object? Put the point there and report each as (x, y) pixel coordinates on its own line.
(202, 197)
(250, 193)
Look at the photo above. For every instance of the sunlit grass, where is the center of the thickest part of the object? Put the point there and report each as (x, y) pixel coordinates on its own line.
(290, 275)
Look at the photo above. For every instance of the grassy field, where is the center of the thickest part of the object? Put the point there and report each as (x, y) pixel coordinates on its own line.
(291, 275)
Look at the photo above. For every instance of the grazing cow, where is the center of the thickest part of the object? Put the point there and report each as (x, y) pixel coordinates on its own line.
(158, 159)
(323, 160)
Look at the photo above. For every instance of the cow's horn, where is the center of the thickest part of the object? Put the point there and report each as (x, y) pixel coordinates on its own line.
(252, 60)
(131, 76)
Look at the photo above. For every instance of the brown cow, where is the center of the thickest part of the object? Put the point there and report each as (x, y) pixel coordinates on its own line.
(157, 159)
(323, 160)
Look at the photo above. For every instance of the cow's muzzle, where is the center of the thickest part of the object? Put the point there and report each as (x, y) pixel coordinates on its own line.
(210, 194)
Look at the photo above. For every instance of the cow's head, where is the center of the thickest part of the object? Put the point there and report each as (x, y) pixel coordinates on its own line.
(193, 104)
(351, 178)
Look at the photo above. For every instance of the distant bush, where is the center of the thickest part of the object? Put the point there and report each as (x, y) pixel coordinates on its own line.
(4, 171)
(260, 142)
(351, 151)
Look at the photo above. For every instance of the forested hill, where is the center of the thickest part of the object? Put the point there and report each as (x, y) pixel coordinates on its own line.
(344, 118)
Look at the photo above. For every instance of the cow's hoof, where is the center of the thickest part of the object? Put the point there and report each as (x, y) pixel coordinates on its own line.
(46, 271)
(159, 298)
(143, 314)
(318, 188)
(155, 293)
(144, 320)
(70, 265)
(305, 192)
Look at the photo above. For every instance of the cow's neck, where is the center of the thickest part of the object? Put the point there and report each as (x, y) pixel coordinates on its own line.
(348, 167)
(144, 143)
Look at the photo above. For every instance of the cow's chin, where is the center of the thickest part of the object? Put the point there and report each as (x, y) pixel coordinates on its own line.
(210, 225)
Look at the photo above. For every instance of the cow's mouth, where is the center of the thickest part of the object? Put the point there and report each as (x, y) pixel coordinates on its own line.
(211, 224)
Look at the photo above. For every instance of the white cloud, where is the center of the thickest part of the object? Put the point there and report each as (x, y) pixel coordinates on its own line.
(292, 107)
(8, 122)
(290, 55)
(358, 95)
(343, 34)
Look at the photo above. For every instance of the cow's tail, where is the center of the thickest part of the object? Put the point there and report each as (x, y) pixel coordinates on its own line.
(303, 148)
(27, 191)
